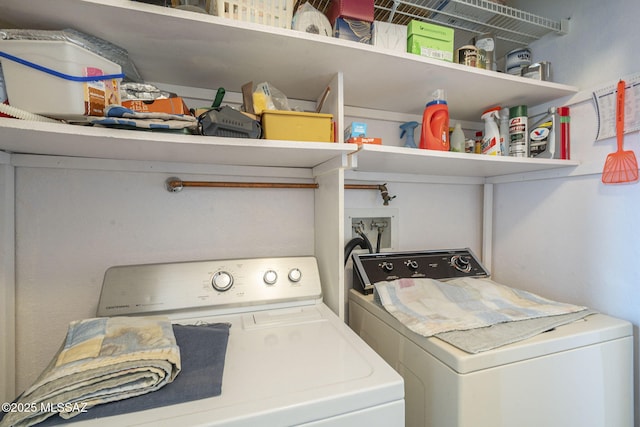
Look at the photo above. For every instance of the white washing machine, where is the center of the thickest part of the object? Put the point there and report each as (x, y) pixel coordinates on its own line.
(289, 359)
(576, 375)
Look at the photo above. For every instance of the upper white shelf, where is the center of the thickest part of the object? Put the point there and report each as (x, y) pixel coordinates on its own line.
(20, 136)
(511, 27)
(202, 51)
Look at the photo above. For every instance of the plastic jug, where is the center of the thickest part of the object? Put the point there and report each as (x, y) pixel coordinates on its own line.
(435, 123)
(457, 139)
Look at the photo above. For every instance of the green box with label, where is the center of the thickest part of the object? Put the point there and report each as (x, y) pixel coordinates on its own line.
(430, 40)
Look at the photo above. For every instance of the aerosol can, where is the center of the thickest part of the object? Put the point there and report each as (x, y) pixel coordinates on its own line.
(491, 142)
(435, 123)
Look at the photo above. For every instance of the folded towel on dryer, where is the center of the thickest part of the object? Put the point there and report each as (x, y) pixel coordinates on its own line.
(429, 307)
(102, 360)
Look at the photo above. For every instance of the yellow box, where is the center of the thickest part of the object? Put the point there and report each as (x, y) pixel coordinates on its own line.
(297, 126)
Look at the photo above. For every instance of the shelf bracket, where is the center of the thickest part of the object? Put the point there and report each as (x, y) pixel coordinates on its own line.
(564, 26)
(392, 12)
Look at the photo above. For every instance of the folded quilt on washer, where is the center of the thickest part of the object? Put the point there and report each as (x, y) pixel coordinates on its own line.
(429, 307)
(102, 360)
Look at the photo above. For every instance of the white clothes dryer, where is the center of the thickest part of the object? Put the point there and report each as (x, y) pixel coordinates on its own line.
(289, 359)
(579, 374)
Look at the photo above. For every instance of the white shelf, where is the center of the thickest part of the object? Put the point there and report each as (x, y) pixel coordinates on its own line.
(384, 159)
(202, 51)
(19, 136)
(83, 141)
(195, 50)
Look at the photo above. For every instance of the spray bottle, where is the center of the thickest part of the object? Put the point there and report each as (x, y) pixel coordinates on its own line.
(491, 140)
(408, 129)
(435, 123)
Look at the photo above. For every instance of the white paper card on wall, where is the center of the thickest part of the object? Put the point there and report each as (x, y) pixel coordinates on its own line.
(605, 101)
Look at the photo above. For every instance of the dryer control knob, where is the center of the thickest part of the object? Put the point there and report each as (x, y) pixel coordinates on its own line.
(270, 277)
(295, 275)
(387, 266)
(222, 281)
(412, 264)
(461, 263)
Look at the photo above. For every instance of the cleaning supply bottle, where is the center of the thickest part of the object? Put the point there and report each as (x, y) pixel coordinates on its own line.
(504, 131)
(491, 140)
(457, 139)
(408, 129)
(435, 123)
(477, 143)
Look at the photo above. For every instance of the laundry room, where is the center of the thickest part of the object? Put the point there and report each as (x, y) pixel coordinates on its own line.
(352, 156)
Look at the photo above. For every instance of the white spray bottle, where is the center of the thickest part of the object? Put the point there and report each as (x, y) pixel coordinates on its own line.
(491, 141)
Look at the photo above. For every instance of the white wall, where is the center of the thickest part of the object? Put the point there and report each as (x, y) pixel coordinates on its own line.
(74, 221)
(576, 239)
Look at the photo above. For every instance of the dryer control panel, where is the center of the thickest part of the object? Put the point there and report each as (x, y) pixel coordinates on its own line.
(433, 264)
(232, 285)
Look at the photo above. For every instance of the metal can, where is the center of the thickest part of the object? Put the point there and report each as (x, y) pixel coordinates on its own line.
(487, 42)
(539, 71)
(467, 55)
(482, 59)
(518, 131)
(517, 59)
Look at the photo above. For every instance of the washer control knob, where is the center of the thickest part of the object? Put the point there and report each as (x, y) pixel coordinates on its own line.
(270, 277)
(222, 281)
(295, 275)
(387, 266)
(412, 264)
(461, 263)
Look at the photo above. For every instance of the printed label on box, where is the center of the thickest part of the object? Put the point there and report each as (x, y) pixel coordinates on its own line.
(99, 93)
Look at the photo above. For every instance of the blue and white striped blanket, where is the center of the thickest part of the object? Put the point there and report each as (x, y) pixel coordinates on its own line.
(430, 307)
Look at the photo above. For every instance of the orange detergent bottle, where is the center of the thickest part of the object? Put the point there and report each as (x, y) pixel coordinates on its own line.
(435, 123)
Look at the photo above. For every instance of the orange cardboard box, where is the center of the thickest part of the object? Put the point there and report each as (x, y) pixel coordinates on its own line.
(174, 105)
(362, 140)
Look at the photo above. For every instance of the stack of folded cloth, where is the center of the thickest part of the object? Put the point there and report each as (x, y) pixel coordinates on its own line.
(102, 360)
(473, 314)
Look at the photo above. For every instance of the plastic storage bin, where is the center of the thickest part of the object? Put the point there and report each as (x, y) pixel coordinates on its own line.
(276, 13)
(297, 126)
(35, 90)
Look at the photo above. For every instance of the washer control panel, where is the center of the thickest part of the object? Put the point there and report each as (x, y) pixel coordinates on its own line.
(223, 284)
(438, 264)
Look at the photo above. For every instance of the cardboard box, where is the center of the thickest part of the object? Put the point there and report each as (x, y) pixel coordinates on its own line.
(361, 140)
(389, 36)
(297, 126)
(359, 10)
(349, 29)
(355, 129)
(166, 105)
(430, 40)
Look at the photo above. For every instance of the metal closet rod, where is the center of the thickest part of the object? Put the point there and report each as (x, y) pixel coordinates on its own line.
(174, 185)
